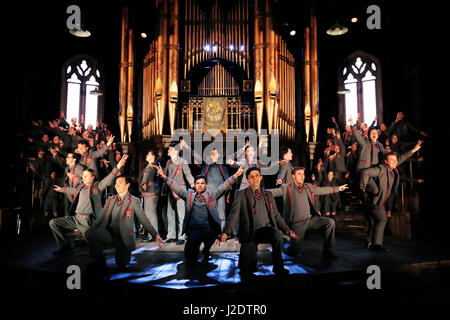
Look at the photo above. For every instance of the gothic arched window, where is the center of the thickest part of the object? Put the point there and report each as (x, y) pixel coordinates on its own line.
(360, 75)
(81, 82)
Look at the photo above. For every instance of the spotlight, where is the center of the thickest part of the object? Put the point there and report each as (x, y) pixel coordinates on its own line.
(143, 35)
(96, 92)
(80, 32)
(337, 30)
(343, 91)
(231, 47)
(354, 19)
(292, 33)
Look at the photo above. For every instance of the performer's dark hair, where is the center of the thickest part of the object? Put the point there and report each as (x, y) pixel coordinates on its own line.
(91, 171)
(85, 142)
(128, 179)
(295, 169)
(252, 169)
(392, 153)
(283, 151)
(200, 176)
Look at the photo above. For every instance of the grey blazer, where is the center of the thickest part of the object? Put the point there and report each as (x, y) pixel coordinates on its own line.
(367, 151)
(131, 208)
(242, 211)
(286, 190)
(150, 179)
(379, 193)
(95, 192)
(211, 200)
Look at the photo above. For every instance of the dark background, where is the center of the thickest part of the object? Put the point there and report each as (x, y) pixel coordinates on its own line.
(410, 47)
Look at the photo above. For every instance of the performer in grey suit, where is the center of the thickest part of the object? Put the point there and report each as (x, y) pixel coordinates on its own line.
(300, 213)
(216, 173)
(202, 223)
(177, 169)
(285, 171)
(149, 186)
(375, 199)
(259, 221)
(89, 157)
(86, 204)
(115, 226)
(73, 172)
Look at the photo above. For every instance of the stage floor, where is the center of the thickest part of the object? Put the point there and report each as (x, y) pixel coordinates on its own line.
(411, 270)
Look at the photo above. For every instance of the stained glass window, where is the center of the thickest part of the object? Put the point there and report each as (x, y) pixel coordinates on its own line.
(360, 75)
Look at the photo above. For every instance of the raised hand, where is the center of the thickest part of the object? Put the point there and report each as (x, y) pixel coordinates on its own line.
(110, 140)
(343, 187)
(54, 152)
(240, 171)
(161, 172)
(223, 237)
(159, 240)
(292, 235)
(417, 146)
(57, 188)
(122, 161)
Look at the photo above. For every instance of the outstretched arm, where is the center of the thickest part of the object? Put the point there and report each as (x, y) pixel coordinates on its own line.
(403, 157)
(140, 214)
(220, 190)
(279, 192)
(233, 218)
(181, 192)
(108, 180)
(328, 190)
(197, 157)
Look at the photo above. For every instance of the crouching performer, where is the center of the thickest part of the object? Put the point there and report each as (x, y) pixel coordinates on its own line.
(115, 226)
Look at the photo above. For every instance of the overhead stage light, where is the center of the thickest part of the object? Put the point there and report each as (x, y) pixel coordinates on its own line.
(96, 92)
(80, 32)
(337, 30)
(292, 33)
(343, 91)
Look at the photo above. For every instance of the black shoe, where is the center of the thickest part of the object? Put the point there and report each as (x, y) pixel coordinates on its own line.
(247, 277)
(206, 258)
(281, 272)
(99, 264)
(367, 245)
(170, 240)
(147, 239)
(122, 267)
(62, 250)
(328, 254)
(180, 242)
(378, 248)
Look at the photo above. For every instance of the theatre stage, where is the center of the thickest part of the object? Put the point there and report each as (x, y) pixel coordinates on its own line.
(411, 271)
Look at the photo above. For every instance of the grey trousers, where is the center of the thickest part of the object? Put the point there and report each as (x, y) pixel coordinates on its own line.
(195, 238)
(248, 252)
(314, 223)
(60, 225)
(175, 218)
(221, 202)
(100, 237)
(376, 222)
(150, 210)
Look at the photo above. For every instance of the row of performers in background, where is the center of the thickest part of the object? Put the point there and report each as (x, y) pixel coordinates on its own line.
(215, 205)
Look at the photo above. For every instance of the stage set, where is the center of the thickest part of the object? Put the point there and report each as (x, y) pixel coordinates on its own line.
(219, 71)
